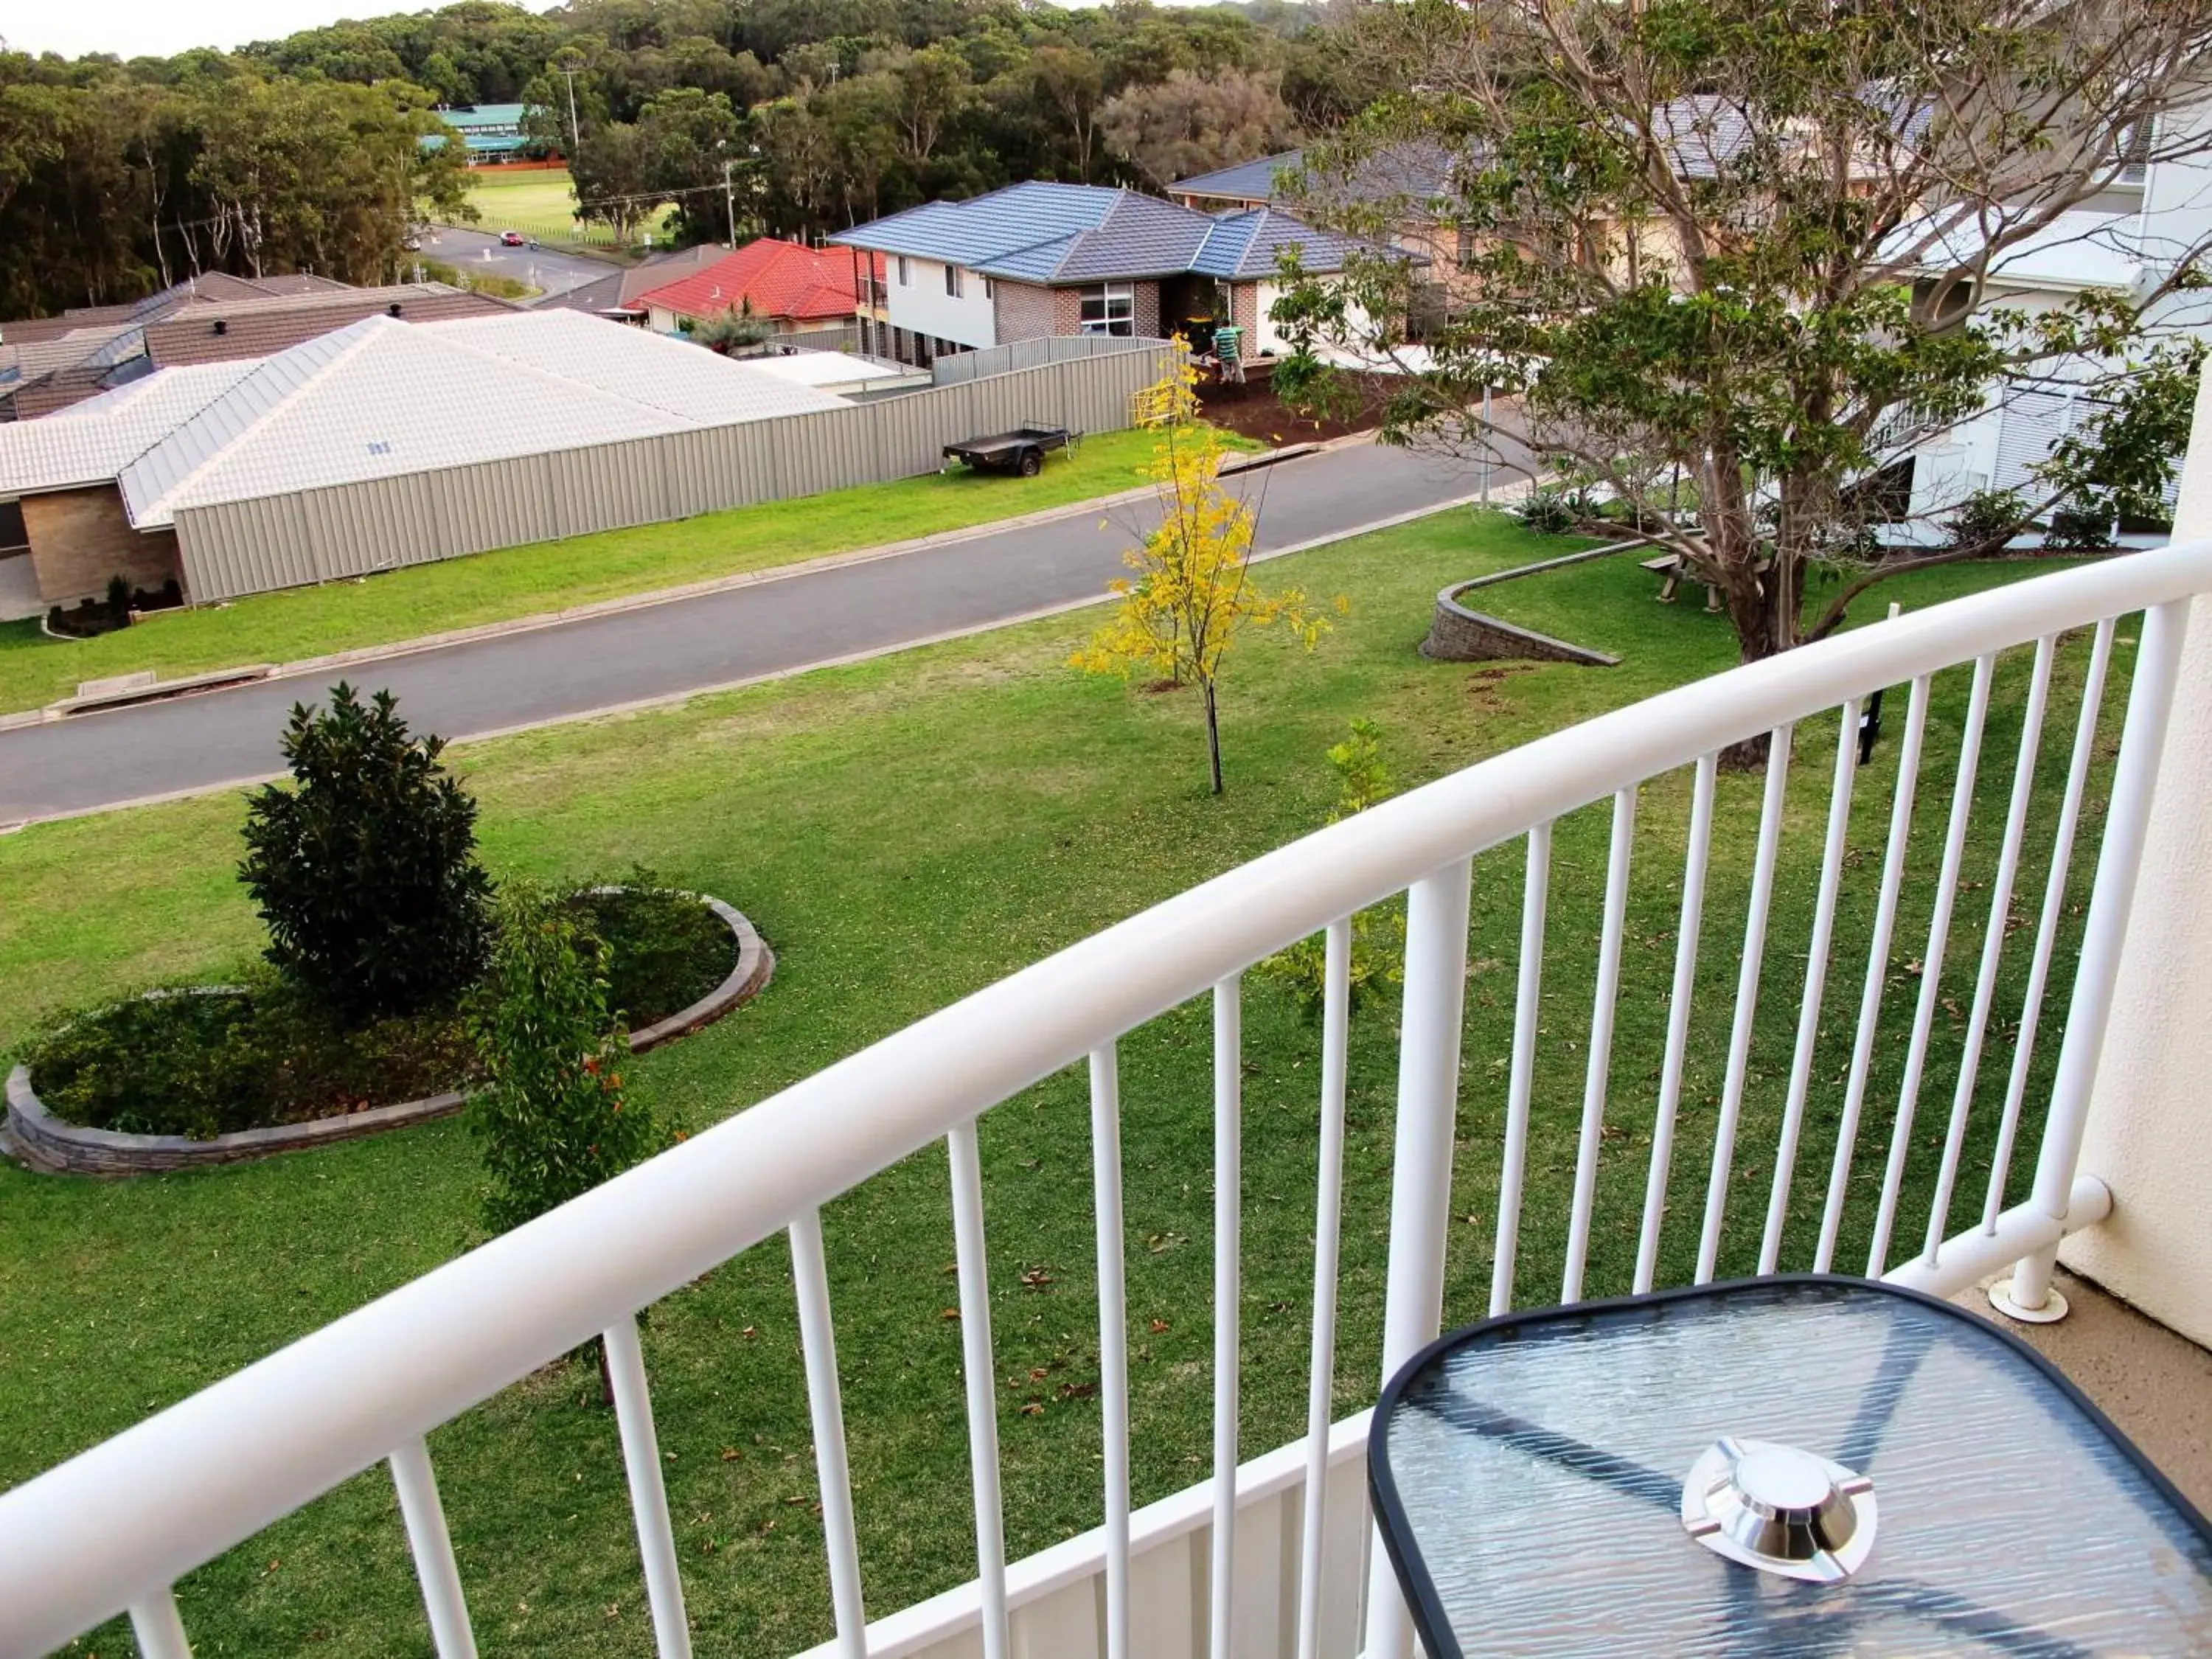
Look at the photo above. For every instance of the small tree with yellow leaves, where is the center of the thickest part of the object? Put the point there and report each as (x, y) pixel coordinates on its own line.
(1192, 594)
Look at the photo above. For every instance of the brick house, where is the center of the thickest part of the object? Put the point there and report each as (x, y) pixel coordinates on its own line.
(1035, 259)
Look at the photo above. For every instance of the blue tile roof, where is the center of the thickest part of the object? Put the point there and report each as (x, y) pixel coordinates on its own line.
(1051, 233)
(1251, 181)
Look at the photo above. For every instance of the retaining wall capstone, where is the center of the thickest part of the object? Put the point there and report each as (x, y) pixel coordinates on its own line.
(46, 1143)
(1457, 633)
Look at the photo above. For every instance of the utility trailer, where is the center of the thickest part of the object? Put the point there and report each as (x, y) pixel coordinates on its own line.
(1023, 450)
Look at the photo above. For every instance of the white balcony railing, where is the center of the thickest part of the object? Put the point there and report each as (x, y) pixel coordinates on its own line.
(113, 1529)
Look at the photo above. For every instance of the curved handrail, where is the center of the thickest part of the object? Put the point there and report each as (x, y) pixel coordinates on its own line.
(79, 1542)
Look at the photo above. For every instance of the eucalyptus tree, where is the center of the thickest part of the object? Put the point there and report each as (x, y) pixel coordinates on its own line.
(1732, 259)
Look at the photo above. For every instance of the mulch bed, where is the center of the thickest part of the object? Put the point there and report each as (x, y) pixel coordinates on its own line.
(1253, 411)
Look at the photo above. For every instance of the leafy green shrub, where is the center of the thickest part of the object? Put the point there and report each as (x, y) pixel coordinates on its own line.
(365, 870)
(203, 1064)
(1988, 519)
(553, 1123)
(660, 948)
(2082, 526)
(1545, 512)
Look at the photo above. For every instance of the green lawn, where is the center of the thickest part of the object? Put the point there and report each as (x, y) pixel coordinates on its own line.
(541, 202)
(521, 581)
(905, 830)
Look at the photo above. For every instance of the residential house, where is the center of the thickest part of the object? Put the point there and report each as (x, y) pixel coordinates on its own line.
(618, 295)
(1402, 185)
(1035, 259)
(48, 363)
(2129, 239)
(100, 485)
(786, 286)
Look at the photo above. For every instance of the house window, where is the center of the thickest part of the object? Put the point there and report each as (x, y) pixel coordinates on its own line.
(1109, 308)
(952, 280)
(1468, 251)
(905, 276)
(990, 289)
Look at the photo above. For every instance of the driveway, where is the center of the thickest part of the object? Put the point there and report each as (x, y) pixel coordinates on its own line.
(479, 252)
(664, 650)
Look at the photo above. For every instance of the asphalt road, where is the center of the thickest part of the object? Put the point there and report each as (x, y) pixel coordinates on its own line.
(663, 651)
(479, 252)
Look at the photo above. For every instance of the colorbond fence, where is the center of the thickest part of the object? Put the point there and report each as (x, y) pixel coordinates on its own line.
(352, 530)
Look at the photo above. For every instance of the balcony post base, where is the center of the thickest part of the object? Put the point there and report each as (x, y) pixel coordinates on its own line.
(2052, 1310)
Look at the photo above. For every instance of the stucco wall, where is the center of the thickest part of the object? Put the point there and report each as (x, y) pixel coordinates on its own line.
(923, 305)
(2149, 1136)
(80, 538)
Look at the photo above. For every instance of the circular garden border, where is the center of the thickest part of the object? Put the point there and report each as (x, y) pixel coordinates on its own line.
(50, 1146)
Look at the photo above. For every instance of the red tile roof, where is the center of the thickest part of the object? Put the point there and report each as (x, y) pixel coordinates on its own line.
(780, 279)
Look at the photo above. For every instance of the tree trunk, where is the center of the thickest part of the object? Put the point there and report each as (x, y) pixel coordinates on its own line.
(1213, 736)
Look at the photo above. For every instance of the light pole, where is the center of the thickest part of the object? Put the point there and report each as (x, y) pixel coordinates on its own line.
(575, 132)
(730, 199)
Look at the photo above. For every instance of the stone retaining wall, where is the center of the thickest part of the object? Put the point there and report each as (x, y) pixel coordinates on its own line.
(46, 1143)
(1459, 634)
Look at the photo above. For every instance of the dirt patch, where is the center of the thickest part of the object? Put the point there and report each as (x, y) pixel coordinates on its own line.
(1253, 411)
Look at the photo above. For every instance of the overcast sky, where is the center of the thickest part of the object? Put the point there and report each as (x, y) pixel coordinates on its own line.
(132, 28)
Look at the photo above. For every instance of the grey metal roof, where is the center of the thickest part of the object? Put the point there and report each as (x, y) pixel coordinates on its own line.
(382, 397)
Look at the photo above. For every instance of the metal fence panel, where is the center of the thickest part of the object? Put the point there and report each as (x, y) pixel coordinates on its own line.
(245, 547)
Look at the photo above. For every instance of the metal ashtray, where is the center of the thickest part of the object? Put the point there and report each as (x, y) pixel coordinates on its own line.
(1780, 1510)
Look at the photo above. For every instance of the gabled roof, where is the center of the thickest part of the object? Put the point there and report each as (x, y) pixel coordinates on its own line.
(377, 398)
(92, 441)
(775, 278)
(1417, 170)
(1054, 234)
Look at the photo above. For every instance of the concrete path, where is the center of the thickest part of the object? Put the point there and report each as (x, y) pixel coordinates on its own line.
(663, 651)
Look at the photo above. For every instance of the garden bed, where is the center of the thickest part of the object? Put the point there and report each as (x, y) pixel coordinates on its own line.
(219, 1074)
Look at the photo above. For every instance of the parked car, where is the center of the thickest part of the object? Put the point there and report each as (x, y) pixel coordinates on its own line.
(510, 239)
(412, 244)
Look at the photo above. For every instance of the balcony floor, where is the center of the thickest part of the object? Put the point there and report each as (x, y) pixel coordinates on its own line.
(2155, 1385)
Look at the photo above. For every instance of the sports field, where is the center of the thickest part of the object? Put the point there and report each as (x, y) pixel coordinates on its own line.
(539, 202)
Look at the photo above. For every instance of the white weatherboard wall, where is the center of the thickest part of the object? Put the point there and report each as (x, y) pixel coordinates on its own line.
(924, 307)
(2149, 1134)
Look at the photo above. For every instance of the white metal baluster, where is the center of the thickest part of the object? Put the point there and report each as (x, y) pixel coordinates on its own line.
(2054, 903)
(436, 1570)
(648, 1494)
(982, 1383)
(1112, 1338)
(1993, 937)
(1421, 1171)
(2135, 780)
(1678, 1019)
(1328, 1220)
(1931, 968)
(1228, 1291)
(159, 1627)
(1816, 985)
(1596, 1080)
(1885, 924)
(1746, 997)
(1527, 1001)
(817, 1340)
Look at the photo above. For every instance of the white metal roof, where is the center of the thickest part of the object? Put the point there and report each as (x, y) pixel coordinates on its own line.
(91, 443)
(382, 397)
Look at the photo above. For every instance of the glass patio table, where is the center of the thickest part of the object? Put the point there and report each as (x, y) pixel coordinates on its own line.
(1792, 1466)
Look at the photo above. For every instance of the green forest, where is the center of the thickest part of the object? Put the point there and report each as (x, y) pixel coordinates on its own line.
(118, 178)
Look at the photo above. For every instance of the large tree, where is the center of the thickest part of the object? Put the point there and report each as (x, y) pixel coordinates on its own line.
(1729, 259)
